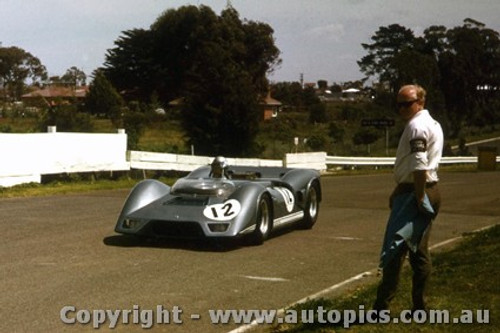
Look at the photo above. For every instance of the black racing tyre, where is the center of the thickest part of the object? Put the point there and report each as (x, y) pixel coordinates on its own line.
(264, 223)
(311, 209)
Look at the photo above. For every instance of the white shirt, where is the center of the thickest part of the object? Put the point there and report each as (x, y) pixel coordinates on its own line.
(420, 148)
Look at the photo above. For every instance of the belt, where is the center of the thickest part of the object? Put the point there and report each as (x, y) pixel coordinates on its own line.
(430, 184)
(408, 187)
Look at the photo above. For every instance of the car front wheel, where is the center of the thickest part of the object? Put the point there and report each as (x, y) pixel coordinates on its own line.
(263, 224)
(311, 209)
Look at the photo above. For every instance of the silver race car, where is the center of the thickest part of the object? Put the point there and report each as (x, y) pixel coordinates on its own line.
(218, 201)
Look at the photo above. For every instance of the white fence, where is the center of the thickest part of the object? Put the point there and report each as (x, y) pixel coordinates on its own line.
(316, 160)
(380, 161)
(25, 157)
(161, 161)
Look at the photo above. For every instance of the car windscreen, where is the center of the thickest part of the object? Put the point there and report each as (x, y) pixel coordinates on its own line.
(204, 186)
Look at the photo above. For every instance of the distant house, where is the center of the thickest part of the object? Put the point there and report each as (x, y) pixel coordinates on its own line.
(53, 95)
(351, 94)
(270, 107)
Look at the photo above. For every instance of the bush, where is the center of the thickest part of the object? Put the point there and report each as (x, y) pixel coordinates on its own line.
(317, 142)
(317, 113)
(134, 124)
(67, 119)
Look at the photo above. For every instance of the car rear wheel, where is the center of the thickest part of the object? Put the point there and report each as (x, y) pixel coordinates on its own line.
(311, 209)
(264, 222)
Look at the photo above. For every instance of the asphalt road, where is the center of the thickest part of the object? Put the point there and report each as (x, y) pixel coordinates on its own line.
(60, 251)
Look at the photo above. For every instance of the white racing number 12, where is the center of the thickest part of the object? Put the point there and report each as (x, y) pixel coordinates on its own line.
(225, 211)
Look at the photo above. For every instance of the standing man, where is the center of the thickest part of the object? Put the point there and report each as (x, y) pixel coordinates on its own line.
(417, 158)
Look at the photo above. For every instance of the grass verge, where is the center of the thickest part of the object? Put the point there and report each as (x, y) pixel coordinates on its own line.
(77, 183)
(464, 278)
(59, 188)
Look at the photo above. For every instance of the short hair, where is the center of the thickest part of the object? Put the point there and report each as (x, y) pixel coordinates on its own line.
(420, 91)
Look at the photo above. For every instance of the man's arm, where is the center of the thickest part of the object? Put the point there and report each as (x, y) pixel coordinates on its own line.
(419, 179)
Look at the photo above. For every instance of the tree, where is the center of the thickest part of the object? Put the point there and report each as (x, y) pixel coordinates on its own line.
(218, 64)
(161, 58)
(413, 66)
(74, 77)
(435, 40)
(459, 67)
(388, 42)
(470, 67)
(17, 66)
(323, 85)
(289, 93)
(103, 99)
(224, 124)
(131, 66)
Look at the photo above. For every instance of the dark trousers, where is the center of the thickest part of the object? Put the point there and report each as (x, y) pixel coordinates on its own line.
(420, 261)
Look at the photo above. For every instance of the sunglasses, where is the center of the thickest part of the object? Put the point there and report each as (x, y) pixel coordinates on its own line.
(406, 104)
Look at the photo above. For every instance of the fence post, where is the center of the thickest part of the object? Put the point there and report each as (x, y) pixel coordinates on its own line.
(486, 158)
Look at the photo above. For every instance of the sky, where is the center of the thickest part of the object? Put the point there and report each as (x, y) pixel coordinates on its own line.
(318, 39)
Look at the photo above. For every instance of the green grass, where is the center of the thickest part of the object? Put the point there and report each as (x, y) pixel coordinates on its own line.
(58, 188)
(464, 278)
(78, 183)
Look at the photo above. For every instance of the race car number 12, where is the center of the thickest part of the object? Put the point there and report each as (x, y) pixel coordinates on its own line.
(224, 211)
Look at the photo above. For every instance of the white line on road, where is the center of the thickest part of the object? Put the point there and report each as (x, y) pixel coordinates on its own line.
(451, 240)
(264, 278)
(332, 288)
(346, 238)
(254, 323)
(443, 243)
